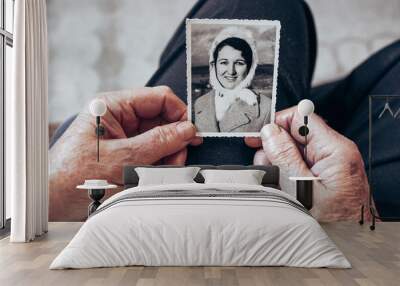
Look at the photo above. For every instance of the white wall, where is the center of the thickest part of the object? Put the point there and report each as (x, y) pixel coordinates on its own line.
(349, 31)
(99, 45)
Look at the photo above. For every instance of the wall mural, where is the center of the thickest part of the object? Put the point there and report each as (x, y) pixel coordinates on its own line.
(110, 50)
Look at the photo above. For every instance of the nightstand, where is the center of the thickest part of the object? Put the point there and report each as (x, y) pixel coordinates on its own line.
(96, 191)
(304, 190)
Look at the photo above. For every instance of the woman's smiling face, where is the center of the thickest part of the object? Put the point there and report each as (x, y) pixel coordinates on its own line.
(231, 67)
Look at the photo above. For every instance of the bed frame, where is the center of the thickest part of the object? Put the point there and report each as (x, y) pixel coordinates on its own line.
(270, 179)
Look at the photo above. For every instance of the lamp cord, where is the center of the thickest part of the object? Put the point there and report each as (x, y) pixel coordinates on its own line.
(98, 137)
(98, 146)
(305, 149)
(305, 135)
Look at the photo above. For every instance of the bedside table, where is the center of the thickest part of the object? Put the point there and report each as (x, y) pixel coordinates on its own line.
(96, 191)
(304, 190)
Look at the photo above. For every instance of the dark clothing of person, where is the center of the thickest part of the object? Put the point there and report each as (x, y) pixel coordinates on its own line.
(343, 104)
(296, 63)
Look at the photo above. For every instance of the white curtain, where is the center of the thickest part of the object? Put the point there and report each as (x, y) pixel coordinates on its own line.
(27, 151)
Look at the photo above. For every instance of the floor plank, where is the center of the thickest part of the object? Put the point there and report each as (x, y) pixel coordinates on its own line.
(374, 255)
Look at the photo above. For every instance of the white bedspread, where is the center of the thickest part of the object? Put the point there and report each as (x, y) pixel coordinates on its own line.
(200, 231)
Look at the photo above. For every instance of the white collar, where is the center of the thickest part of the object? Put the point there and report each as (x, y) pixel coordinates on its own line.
(224, 100)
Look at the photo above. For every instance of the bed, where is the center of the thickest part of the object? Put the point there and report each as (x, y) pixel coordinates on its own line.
(201, 224)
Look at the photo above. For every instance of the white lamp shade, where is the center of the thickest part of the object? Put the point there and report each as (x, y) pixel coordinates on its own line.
(98, 107)
(305, 107)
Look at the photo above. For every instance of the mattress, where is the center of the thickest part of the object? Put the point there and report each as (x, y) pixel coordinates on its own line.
(201, 225)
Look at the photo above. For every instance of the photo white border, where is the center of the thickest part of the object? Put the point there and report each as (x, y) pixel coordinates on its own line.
(275, 23)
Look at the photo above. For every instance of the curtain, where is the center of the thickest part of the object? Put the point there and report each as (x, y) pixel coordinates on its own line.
(27, 121)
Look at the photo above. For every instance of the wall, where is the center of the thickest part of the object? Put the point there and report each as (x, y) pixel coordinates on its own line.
(351, 30)
(100, 45)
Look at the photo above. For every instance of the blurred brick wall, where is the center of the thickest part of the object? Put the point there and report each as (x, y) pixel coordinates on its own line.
(98, 45)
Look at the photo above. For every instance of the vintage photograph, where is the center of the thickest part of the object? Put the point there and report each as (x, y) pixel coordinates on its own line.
(232, 70)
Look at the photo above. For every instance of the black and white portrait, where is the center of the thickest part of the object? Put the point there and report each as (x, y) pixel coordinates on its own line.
(231, 74)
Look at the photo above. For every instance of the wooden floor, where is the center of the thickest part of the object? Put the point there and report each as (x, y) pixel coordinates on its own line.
(375, 257)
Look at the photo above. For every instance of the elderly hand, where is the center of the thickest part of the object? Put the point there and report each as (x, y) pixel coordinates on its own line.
(142, 126)
(331, 156)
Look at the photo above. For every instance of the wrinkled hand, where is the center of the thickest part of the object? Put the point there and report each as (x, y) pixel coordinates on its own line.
(142, 126)
(331, 156)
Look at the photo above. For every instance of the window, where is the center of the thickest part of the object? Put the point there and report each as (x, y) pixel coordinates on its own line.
(6, 44)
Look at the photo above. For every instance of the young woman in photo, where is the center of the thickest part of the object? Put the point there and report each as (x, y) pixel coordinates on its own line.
(231, 106)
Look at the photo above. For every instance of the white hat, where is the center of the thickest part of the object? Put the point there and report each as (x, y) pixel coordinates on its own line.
(233, 32)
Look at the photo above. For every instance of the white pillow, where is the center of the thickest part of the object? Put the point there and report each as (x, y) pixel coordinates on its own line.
(164, 176)
(248, 177)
